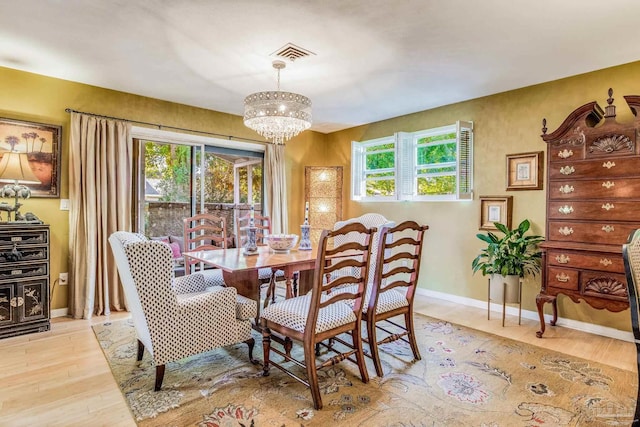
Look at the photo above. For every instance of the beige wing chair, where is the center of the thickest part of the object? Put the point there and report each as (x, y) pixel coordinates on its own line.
(176, 318)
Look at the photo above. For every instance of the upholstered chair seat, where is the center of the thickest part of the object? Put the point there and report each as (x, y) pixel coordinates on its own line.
(292, 313)
(387, 301)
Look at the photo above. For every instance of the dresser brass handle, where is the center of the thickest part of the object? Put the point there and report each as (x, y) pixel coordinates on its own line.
(565, 231)
(565, 154)
(567, 170)
(608, 184)
(608, 206)
(608, 164)
(606, 262)
(565, 209)
(562, 259)
(16, 301)
(566, 189)
(562, 277)
(608, 228)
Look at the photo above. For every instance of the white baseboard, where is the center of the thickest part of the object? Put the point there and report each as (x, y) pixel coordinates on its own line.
(60, 312)
(532, 315)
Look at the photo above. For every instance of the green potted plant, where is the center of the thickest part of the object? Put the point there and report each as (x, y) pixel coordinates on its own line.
(508, 258)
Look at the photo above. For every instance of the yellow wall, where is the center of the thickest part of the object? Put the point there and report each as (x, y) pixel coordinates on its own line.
(504, 123)
(32, 97)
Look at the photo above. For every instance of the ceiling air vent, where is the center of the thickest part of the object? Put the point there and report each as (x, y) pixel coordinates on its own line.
(292, 52)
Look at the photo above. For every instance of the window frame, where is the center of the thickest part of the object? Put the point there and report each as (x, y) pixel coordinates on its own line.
(406, 167)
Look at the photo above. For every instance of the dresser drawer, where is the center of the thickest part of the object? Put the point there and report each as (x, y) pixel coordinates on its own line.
(611, 210)
(589, 260)
(607, 233)
(21, 270)
(603, 168)
(31, 253)
(27, 237)
(563, 278)
(605, 188)
(566, 152)
(604, 285)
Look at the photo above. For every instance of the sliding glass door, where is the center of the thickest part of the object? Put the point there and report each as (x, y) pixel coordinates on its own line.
(178, 180)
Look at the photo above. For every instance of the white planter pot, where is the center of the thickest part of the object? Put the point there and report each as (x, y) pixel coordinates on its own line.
(497, 288)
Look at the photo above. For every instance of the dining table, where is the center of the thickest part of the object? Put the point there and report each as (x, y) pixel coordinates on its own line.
(241, 270)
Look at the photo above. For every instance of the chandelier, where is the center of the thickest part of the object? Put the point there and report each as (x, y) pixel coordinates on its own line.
(276, 115)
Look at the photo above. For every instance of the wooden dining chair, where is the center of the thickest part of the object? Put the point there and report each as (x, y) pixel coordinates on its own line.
(267, 276)
(313, 318)
(394, 287)
(204, 232)
(631, 257)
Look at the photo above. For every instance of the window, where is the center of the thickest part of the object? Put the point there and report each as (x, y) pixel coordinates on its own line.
(181, 174)
(432, 164)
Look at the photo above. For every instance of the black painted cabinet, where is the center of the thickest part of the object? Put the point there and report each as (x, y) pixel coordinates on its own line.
(24, 279)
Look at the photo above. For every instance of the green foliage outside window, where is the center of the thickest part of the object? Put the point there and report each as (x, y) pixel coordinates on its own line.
(169, 167)
(436, 161)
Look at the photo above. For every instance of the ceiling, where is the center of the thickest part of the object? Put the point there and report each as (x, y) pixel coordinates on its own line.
(374, 59)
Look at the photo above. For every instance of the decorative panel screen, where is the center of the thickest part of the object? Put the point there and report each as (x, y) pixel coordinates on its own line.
(323, 192)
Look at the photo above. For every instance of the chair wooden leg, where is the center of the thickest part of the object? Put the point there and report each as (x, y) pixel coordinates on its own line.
(251, 343)
(288, 346)
(636, 417)
(408, 321)
(312, 375)
(266, 348)
(159, 377)
(373, 345)
(271, 292)
(357, 343)
(140, 350)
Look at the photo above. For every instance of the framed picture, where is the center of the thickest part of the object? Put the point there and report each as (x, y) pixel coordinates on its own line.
(495, 209)
(42, 144)
(524, 171)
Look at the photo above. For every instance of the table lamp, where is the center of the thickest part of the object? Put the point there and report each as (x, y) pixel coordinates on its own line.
(14, 168)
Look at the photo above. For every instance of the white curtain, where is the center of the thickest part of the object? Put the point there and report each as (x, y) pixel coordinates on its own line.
(276, 187)
(100, 183)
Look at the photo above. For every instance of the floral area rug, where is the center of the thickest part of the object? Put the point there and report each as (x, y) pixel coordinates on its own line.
(465, 378)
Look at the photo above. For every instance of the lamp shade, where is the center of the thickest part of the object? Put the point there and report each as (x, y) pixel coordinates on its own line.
(14, 166)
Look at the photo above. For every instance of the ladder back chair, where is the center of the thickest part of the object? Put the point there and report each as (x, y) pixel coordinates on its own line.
(204, 232)
(631, 257)
(322, 315)
(368, 220)
(394, 287)
(266, 275)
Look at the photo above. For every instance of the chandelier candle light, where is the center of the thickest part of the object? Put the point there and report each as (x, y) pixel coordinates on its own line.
(276, 115)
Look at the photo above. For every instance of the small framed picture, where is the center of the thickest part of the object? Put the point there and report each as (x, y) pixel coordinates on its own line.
(524, 171)
(495, 209)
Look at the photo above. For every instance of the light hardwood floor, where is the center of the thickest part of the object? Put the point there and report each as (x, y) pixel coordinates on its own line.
(61, 378)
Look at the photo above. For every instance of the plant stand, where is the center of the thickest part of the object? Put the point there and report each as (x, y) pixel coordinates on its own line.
(504, 301)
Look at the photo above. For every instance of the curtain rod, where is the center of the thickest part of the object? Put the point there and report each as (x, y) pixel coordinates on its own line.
(159, 126)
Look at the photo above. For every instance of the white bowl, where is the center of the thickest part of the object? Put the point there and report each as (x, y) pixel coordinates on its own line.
(281, 242)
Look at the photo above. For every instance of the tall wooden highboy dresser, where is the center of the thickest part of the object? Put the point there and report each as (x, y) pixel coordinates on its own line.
(593, 203)
(24, 278)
